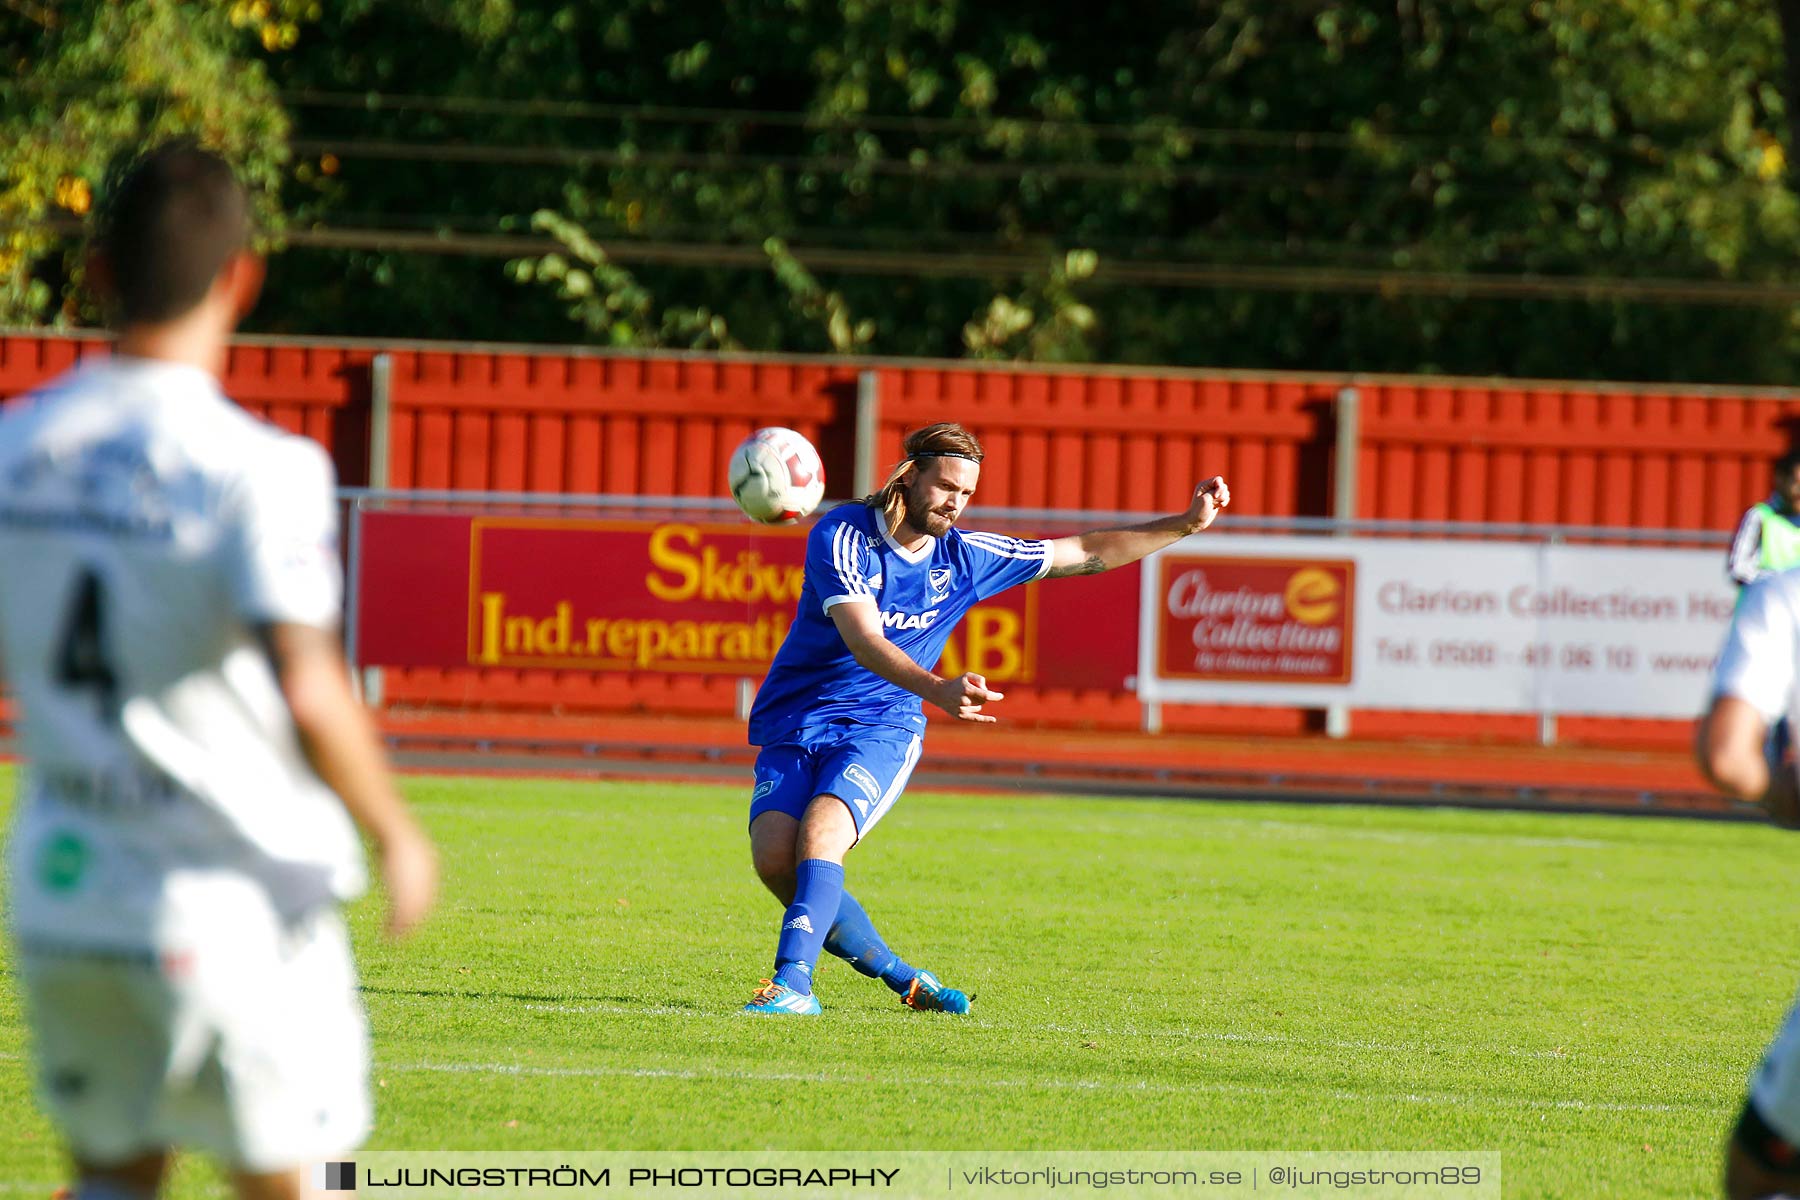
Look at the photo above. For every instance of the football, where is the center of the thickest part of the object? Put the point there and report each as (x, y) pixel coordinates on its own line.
(775, 476)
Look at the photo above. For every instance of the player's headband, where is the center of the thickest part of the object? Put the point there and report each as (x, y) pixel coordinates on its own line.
(945, 454)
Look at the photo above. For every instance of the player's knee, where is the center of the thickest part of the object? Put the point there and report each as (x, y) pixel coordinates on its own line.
(775, 867)
(779, 882)
(828, 830)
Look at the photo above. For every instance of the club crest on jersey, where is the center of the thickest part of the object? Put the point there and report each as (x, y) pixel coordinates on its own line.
(940, 582)
(900, 620)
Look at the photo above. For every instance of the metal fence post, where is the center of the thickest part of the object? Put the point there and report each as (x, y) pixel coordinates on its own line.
(868, 432)
(370, 677)
(1150, 716)
(1546, 707)
(1347, 409)
(381, 415)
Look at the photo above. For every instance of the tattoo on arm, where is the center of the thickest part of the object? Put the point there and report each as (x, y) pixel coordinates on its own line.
(1091, 565)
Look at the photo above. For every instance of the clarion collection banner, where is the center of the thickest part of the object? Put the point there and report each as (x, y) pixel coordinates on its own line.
(1437, 626)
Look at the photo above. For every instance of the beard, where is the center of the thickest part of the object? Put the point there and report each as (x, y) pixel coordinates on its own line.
(921, 516)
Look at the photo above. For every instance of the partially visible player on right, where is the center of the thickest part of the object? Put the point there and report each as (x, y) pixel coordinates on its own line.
(1757, 683)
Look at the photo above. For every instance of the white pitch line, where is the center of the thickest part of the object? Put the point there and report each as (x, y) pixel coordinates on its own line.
(1278, 1039)
(570, 814)
(627, 1010)
(1099, 1085)
(1257, 1039)
(1141, 1087)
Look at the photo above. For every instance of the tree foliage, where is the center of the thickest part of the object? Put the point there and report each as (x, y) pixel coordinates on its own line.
(1010, 180)
(89, 83)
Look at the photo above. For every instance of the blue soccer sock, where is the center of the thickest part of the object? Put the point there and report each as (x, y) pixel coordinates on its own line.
(818, 889)
(853, 939)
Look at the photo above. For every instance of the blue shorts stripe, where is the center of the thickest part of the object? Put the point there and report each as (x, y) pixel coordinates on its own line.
(895, 788)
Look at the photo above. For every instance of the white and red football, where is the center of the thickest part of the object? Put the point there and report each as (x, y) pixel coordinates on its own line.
(775, 476)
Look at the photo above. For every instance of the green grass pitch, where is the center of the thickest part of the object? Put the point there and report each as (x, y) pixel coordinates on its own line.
(1583, 994)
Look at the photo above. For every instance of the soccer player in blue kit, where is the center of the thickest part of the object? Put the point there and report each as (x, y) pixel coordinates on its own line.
(840, 717)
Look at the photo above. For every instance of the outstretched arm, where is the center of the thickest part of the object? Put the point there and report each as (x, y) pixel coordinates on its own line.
(1103, 549)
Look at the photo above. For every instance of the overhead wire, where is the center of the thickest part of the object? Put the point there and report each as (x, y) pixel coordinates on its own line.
(1109, 272)
(892, 166)
(1126, 246)
(568, 156)
(375, 100)
(1302, 139)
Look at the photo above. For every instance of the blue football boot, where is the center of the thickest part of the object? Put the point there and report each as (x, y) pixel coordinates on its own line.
(926, 994)
(774, 999)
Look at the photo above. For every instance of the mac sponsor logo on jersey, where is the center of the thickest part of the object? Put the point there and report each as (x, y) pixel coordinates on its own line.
(940, 583)
(900, 620)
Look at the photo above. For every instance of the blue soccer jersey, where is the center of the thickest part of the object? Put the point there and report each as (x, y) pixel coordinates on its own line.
(921, 593)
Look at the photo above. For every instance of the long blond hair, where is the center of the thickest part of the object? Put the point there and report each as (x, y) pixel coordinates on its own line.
(946, 439)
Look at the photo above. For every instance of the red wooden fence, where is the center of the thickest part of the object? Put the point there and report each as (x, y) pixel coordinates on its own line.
(1112, 441)
(316, 389)
(632, 426)
(515, 419)
(1652, 458)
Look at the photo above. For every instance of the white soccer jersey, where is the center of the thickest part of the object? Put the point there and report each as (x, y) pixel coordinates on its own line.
(1760, 661)
(147, 525)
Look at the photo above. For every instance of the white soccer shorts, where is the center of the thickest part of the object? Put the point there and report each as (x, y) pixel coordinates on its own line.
(254, 1051)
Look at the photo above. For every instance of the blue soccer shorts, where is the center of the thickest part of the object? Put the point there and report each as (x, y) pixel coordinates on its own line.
(865, 766)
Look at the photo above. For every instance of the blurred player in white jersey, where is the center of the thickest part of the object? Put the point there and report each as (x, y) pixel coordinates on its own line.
(1768, 539)
(1754, 687)
(168, 620)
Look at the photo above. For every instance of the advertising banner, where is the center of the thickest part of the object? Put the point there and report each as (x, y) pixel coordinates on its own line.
(678, 596)
(1260, 620)
(1442, 625)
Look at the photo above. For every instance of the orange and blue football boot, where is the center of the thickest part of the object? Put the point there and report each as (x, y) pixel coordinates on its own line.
(774, 999)
(926, 994)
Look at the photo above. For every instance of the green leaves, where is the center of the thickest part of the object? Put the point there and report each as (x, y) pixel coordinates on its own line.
(608, 301)
(909, 177)
(98, 81)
